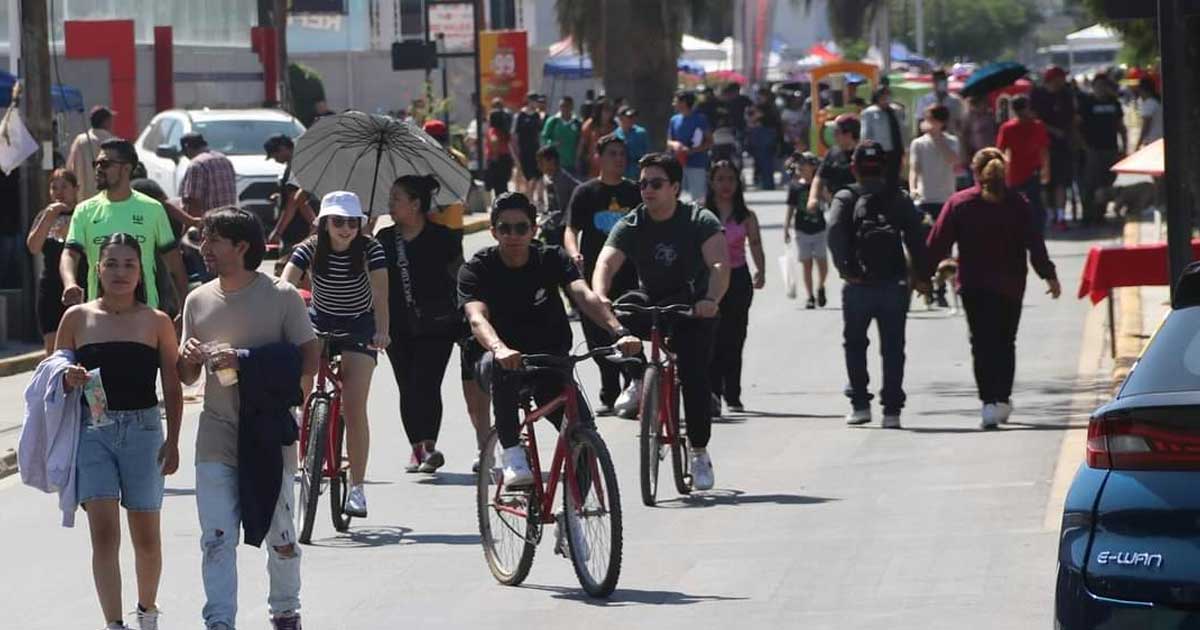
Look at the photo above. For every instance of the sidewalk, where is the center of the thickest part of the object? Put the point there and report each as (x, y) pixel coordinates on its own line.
(1139, 309)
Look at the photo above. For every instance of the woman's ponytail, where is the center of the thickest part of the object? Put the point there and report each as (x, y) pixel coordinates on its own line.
(991, 171)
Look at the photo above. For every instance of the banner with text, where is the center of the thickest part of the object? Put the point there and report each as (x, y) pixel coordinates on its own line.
(504, 58)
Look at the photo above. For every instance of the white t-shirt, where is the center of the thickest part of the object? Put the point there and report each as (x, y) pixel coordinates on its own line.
(1152, 109)
(936, 178)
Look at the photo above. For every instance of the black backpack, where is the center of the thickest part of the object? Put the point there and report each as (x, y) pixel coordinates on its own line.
(877, 238)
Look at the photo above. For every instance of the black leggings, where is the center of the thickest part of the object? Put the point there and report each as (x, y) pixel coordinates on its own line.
(993, 319)
(505, 388)
(726, 371)
(418, 365)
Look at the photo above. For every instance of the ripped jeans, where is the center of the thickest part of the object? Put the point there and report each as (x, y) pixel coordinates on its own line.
(220, 522)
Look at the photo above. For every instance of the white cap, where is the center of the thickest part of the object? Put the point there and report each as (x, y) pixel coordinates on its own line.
(341, 203)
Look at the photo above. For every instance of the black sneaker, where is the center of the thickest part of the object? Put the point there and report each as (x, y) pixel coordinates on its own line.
(810, 304)
(941, 300)
(821, 301)
(605, 409)
(716, 406)
(735, 406)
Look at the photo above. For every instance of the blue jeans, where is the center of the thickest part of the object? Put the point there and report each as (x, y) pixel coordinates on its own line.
(118, 459)
(695, 183)
(887, 305)
(220, 520)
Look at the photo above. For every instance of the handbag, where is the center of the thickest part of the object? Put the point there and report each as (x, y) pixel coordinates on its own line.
(435, 321)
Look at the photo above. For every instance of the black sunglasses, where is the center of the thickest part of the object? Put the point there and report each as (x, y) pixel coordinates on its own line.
(520, 229)
(102, 164)
(656, 183)
(341, 222)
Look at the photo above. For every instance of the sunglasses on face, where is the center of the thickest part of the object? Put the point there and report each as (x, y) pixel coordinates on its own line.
(656, 183)
(520, 229)
(341, 222)
(103, 163)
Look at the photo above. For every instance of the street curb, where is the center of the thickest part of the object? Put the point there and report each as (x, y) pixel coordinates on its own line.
(1129, 328)
(21, 363)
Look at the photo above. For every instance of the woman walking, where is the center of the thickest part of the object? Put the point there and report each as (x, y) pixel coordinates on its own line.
(423, 260)
(726, 198)
(350, 303)
(994, 228)
(46, 237)
(121, 345)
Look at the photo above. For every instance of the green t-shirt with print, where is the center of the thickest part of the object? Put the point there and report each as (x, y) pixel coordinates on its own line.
(139, 216)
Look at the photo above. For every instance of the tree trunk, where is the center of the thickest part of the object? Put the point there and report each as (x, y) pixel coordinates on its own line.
(641, 50)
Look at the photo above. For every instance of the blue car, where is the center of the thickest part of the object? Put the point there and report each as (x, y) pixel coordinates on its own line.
(1129, 550)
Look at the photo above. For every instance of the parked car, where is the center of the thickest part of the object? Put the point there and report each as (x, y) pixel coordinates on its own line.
(1129, 549)
(238, 133)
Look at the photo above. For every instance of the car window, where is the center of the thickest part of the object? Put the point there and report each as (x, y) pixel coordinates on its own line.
(244, 137)
(1171, 363)
(154, 136)
(173, 132)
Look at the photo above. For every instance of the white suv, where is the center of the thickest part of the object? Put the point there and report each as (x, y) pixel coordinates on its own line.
(238, 133)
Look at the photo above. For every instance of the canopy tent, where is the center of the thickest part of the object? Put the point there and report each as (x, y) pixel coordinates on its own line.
(1148, 160)
(64, 98)
(566, 63)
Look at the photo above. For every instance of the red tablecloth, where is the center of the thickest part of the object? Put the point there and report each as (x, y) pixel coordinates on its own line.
(1108, 267)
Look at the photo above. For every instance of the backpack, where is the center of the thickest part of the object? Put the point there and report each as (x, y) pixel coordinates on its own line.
(877, 238)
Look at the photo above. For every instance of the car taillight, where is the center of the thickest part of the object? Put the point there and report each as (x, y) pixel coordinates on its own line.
(1121, 442)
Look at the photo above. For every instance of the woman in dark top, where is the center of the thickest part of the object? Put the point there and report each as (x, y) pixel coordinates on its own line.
(423, 261)
(995, 231)
(121, 345)
(46, 237)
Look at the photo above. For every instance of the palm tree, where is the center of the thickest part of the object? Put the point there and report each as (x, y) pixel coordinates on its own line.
(850, 19)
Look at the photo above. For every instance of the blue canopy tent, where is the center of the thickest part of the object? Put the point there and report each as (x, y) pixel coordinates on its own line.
(570, 73)
(64, 98)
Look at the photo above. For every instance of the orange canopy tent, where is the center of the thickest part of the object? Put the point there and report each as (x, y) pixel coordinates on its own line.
(1148, 160)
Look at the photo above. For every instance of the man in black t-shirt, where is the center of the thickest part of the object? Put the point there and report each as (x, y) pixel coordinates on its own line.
(510, 295)
(595, 208)
(680, 255)
(1105, 136)
(526, 139)
(834, 173)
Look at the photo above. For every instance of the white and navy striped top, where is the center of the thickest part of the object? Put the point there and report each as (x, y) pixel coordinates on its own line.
(337, 292)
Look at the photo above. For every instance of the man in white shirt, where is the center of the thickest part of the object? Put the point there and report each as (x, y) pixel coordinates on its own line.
(941, 96)
(933, 164)
(86, 147)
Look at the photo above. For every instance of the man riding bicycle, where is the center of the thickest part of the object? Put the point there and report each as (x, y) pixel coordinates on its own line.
(680, 255)
(509, 293)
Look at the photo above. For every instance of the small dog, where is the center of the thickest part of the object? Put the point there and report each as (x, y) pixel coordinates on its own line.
(945, 279)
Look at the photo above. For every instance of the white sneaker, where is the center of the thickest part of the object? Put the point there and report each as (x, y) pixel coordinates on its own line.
(990, 416)
(147, 619)
(627, 403)
(890, 421)
(702, 471)
(356, 503)
(859, 416)
(516, 468)
(1003, 411)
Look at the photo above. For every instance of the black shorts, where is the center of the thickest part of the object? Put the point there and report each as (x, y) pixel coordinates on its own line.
(50, 309)
(1062, 165)
(529, 166)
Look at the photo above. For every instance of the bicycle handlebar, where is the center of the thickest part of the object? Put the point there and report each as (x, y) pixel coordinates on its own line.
(535, 361)
(673, 309)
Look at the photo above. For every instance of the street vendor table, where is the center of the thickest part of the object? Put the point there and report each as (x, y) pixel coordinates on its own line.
(1109, 267)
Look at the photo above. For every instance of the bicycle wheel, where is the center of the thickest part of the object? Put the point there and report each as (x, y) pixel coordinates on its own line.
(310, 474)
(509, 522)
(593, 518)
(680, 465)
(339, 486)
(651, 442)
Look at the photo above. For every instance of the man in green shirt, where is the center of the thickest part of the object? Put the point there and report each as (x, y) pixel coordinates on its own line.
(561, 131)
(119, 209)
(680, 255)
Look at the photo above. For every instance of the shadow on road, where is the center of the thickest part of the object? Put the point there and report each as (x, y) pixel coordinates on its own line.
(629, 597)
(448, 479)
(369, 537)
(738, 497)
(750, 413)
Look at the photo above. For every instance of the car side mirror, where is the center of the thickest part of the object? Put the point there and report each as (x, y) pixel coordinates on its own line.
(168, 152)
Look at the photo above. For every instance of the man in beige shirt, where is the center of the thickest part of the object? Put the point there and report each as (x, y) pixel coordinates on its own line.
(86, 147)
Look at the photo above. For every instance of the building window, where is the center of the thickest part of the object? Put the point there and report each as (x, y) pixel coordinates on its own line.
(503, 14)
(412, 19)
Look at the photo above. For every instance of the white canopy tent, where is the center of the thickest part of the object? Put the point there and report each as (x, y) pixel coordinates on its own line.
(710, 55)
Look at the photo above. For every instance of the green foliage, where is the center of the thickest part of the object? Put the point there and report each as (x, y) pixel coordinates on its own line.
(307, 91)
(854, 49)
(980, 30)
(1140, 37)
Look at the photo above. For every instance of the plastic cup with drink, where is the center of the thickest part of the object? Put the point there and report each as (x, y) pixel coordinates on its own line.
(227, 376)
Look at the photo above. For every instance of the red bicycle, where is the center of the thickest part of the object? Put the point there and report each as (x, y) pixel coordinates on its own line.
(659, 407)
(322, 446)
(589, 527)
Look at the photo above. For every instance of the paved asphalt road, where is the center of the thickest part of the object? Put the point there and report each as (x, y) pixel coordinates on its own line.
(813, 525)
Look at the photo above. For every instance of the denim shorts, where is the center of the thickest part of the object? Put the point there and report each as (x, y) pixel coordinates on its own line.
(119, 459)
(350, 334)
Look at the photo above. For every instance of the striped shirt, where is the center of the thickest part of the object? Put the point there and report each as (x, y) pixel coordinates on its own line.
(337, 292)
(211, 181)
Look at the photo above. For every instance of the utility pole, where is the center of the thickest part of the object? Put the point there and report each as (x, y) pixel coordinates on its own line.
(1179, 40)
(35, 75)
(274, 14)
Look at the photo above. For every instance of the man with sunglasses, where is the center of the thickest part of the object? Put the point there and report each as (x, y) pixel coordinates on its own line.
(680, 255)
(510, 295)
(119, 208)
(595, 208)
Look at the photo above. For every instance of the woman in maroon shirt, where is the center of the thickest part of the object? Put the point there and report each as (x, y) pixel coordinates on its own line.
(994, 228)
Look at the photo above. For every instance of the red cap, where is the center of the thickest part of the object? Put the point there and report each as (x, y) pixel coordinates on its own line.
(1054, 72)
(435, 128)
